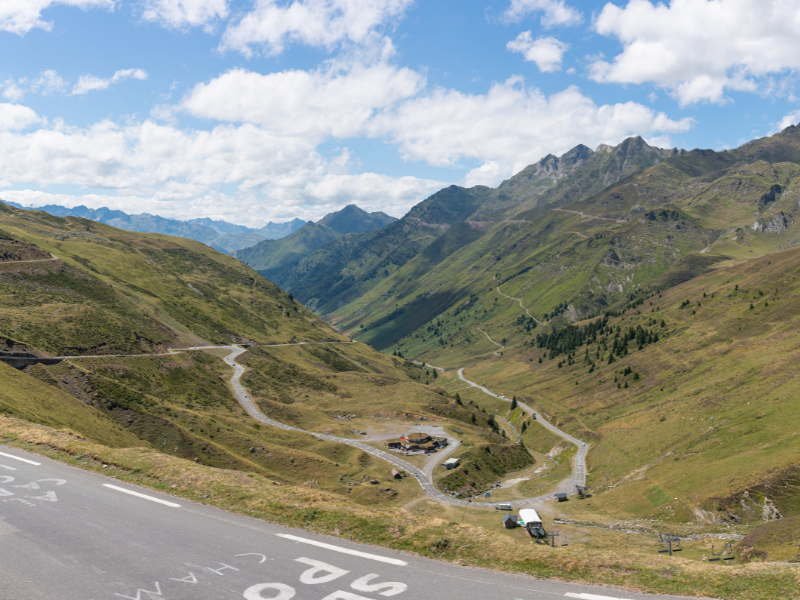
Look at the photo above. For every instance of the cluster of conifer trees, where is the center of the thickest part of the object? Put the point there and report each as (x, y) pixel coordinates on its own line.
(567, 340)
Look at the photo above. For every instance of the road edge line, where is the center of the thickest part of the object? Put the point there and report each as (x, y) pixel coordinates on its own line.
(140, 495)
(25, 460)
(386, 559)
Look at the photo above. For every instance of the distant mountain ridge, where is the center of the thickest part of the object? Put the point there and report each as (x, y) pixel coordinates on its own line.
(220, 235)
(563, 253)
(348, 268)
(269, 256)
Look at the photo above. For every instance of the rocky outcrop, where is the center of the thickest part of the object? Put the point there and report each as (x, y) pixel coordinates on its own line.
(770, 197)
(777, 223)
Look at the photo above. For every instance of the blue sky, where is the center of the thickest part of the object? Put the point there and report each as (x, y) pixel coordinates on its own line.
(257, 110)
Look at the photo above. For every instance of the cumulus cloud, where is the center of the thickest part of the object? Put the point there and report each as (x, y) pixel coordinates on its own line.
(700, 49)
(793, 118)
(325, 102)
(176, 14)
(11, 90)
(174, 172)
(90, 83)
(20, 16)
(546, 52)
(370, 191)
(47, 82)
(511, 126)
(271, 25)
(15, 116)
(556, 12)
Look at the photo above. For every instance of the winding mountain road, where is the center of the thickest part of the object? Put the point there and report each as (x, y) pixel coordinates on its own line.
(423, 475)
(579, 469)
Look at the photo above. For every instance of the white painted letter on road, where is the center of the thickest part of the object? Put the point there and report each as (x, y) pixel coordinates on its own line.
(140, 591)
(285, 592)
(344, 596)
(391, 588)
(319, 572)
(48, 497)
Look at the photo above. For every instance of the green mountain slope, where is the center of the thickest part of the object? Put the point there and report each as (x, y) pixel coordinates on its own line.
(657, 227)
(270, 255)
(350, 266)
(688, 398)
(111, 291)
(78, 288)
(344, 271)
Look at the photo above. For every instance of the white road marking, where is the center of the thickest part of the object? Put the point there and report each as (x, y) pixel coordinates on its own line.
(386, 559)
(7, 467)
(145, 496)
(25, 460)
(591, 596)
(49, 497)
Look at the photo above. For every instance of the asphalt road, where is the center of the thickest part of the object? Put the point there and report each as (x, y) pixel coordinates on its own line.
(65, 534)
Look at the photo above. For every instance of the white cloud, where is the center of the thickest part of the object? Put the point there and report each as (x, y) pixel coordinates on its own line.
(793, 118)
(20, 16)
(699, 49)
(556, 12)
(272, 25)
(176, 14)
(90, 83)
(11, 90)
(172, 172)
(546, 52)
(325, 102)
(15, 116)
(48, 82)
(370, 191)
(511, 126)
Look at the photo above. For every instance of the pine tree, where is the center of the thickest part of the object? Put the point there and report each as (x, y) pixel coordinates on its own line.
(513, 403)
(458, 400)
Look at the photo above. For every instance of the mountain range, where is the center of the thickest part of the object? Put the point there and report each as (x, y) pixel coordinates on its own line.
(220, 235)
(397, 258)
(569, 236)
(270, 257)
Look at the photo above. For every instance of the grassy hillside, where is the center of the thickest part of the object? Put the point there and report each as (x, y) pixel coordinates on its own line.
(103, 291)
(27, 398)
(113, 291)
(643, 385)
